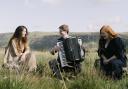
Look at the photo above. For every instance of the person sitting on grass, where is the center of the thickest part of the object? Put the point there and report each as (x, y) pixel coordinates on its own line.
(18, 52)
(55, 65)
(112, 53)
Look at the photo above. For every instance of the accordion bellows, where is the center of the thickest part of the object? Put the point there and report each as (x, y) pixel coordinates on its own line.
(71, 51)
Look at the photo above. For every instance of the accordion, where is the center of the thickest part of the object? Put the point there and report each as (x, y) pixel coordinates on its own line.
(70, 51)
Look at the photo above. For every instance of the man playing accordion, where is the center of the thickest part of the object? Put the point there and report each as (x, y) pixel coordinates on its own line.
(70, 53)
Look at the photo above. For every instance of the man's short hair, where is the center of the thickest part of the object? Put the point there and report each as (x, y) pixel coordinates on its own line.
(64, 28)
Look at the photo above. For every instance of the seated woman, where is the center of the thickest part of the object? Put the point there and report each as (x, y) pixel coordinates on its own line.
(111, 52)
(18, 52)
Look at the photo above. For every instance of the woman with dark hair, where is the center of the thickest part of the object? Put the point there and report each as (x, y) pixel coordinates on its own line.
(112, 52)
(18, 51)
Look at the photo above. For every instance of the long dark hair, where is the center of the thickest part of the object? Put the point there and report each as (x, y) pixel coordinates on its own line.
(18, 35)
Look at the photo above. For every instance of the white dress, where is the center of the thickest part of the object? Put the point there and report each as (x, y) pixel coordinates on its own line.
(12, 58)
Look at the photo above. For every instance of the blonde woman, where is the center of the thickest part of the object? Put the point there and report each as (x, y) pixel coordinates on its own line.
(18, 51)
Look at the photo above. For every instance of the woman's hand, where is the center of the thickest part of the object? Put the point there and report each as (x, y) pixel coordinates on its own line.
(105, 61)
(22, 59)
(21, 54)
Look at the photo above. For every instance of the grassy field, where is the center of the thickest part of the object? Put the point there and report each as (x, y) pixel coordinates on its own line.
(89, 78)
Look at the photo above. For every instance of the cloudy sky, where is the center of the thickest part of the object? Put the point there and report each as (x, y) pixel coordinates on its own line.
(47, 15)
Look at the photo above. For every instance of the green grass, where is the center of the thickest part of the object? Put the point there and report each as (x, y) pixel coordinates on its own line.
(89, 78)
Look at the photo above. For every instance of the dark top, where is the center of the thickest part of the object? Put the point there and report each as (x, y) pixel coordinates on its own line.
(115, 47)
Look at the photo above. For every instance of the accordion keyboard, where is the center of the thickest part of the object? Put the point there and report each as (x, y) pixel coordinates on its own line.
(62, 55)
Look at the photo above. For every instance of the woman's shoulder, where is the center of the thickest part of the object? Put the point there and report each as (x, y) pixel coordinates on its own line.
(14, 39)
(118, 40)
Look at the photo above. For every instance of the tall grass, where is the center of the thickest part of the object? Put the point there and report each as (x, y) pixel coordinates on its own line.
(89, 78)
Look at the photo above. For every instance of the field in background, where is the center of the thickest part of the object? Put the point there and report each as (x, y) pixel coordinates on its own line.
(89, 78)
(40, 41)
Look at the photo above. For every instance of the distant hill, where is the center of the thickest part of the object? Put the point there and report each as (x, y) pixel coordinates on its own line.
(45, 40)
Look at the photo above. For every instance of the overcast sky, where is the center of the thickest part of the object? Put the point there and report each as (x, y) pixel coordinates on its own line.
(48, 15)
